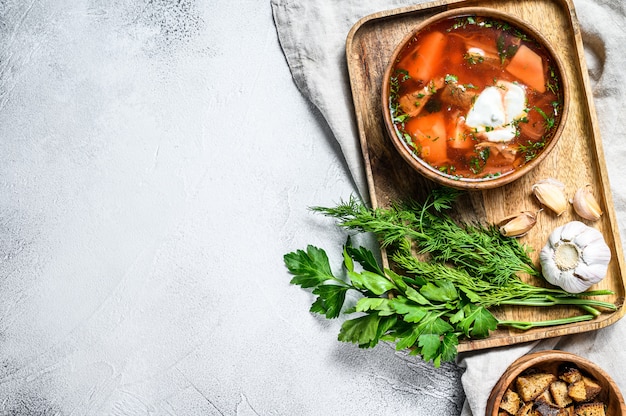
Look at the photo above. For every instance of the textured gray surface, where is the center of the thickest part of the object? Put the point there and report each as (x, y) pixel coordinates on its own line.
(156, 163)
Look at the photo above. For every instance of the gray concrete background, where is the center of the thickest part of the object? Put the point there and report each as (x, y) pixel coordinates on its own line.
(156, 163)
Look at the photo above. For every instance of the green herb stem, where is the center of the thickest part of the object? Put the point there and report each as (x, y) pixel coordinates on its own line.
(563, 301)
(524, 326)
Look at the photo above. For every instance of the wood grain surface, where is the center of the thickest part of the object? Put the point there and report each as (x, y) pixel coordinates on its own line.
(577, 159)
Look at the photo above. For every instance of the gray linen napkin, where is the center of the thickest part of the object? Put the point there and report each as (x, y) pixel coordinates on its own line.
(312, 34)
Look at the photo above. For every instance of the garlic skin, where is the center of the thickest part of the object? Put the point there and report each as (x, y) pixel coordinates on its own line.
(517, 225)
(586, 205)
(551, 194)
(575, 257)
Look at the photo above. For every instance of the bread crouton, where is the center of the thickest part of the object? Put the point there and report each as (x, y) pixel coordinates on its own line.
(510, 402)
(569, 373)
(577, 391)
(584, 389)
(545, 397)
(591, 387)
(558, 389)
(589, 409)
(530, 386)
(526, 410)
(545, 409)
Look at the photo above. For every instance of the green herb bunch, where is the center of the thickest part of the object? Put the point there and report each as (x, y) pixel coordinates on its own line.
(448, 276)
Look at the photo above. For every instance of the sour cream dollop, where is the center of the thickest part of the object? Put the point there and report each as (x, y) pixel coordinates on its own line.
(495, 110)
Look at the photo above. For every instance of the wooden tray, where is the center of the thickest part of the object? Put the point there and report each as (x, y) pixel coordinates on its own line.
(577, 160)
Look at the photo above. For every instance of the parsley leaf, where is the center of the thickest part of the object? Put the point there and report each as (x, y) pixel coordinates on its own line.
(372, 282)
(364, 257)
(361, 330)
(410, 312)
(330, 300)
(478, 322)
(440, 291)
(382, 305)
(310, 268)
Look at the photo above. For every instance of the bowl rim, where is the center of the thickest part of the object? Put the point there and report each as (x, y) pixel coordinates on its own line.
(537, 358)
(423, 167)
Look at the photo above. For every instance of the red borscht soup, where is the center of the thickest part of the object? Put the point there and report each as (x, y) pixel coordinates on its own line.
(474, 97)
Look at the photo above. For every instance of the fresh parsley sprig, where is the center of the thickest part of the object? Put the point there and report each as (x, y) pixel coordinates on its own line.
(427, 318)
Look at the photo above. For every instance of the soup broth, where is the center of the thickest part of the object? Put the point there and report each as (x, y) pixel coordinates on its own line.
(475, 98)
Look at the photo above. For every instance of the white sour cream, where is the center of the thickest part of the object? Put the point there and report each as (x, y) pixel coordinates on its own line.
(495, 109)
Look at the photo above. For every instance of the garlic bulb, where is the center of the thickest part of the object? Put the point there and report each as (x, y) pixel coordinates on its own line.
(575, 257)
(586, 205)
(551, 194)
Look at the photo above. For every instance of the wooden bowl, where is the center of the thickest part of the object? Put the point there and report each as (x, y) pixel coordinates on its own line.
(410, 155)
(549, 361)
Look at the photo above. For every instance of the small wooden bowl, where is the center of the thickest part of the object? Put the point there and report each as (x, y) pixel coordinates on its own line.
(426, 169)
(549, 361)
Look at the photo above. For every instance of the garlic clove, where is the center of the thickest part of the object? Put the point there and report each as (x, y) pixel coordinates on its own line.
(586, 205)
(517, 225)
(598, 253)
(572, 230)
(589, 237)
(590, 274)
(571, 283)
(554, 237)
(551, 194)
(548, 266)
